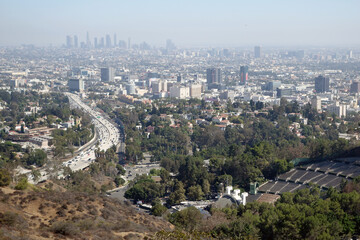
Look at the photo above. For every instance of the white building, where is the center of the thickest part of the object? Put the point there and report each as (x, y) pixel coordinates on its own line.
(195, 91)
(130, 88)
(339, 109)
(179, 92)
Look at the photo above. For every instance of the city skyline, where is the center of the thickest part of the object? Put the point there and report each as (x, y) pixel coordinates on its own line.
(188, 24)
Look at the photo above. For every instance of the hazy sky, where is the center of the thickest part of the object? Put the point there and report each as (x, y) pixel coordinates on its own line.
(187, 23)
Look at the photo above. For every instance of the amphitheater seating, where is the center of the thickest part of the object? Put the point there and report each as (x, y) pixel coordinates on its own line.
(325, 174)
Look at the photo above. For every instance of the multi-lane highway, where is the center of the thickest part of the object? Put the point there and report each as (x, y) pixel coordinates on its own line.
(107, 135)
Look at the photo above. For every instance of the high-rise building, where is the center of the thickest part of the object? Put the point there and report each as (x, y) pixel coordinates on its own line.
(282, 92)
(129, 43)
(340, 110)
(213, 75)
(69, 42)
(243, 74)
(350, 54)
(355, 87)
(316, 103)
(179, 92)
(102, 42)
(76, 43)
(88, 43)
(156, 86)
(107, 74)
(195, 91)
(130, 88)
(76, 84)
(95, 43)
(108, 41)
(115, 40)
(321, 84)
(257, 52)
(273, 85)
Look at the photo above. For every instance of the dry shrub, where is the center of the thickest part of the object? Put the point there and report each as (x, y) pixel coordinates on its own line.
(61, 212)
(8, 218)
(132, 236)
(80, 208)
(86, 224)
(5, 198)
(45, 235)
(107, 226)
(215, 219)
(65, 228)
(122, 225)
(106, 213)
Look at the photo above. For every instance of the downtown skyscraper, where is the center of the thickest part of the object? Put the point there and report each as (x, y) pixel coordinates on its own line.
(257, 52)
(243, 74)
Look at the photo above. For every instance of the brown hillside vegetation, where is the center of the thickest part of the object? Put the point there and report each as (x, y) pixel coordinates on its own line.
(72, 215)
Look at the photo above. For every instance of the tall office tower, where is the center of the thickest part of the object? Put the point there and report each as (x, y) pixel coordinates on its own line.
(102, 42)
(76, 44)
(108, 41)
(76, 85)
(115, 41)
(107, 74)
(355, 87)
(129, 45)
(88, 43)
(321, 84)
(257, 52)
(243, 74)
(350, 54)
(95, 43)
(273, 85)
(69, 42)
(213, 75)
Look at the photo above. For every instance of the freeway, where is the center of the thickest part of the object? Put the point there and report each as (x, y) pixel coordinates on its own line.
(108, 135)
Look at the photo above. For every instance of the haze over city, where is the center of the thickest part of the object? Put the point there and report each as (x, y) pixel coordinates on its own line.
(163, 119)
(187, 23)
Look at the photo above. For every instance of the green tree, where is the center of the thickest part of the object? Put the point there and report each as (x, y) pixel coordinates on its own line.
(157, 208)
(145, 189)
(188, 219)
(35, 174)
(195, 193)
(178, 195)
(120, 169)
(119, 181)
(5, 177)
(22, 184)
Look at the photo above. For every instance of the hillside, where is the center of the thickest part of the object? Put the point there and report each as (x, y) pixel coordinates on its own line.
(43, 214)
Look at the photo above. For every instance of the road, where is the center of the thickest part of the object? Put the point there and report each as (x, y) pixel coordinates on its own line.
(108, 135)
(131, 173)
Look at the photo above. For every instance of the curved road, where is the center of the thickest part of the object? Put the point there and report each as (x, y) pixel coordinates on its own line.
(108, 135)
